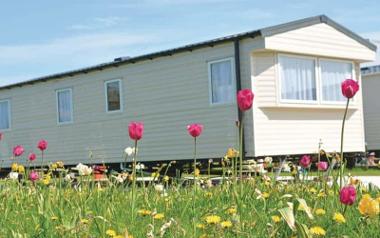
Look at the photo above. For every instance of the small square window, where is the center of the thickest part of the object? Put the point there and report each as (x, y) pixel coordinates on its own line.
(64, 106)
(221, 81)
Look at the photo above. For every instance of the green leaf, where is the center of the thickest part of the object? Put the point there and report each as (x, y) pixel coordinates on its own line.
(288, 215)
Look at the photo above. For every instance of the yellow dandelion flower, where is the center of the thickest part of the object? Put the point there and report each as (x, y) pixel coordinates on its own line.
(276, 219)
(226, 224)
(313, 190)
(265, 195)
(369, 206)
(317, 230)
(213, 219)
(208, 194)
(54, 218)
(201, 226)
(155, 175)
(111, 233)
(14, 167)
(158, 216)
(321, 194)
(339, 218)
(84, 221)
(54, 166)
(166, 178)
(232, 153)
(120, 236)
(21, 169)
(231, 211)
(320, 212)
(144, 212)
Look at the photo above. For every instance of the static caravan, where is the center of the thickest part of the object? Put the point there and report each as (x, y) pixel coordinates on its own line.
(295, 70)
(371, 107)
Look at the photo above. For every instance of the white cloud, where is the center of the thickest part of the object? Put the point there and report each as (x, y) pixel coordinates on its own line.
(98, 23)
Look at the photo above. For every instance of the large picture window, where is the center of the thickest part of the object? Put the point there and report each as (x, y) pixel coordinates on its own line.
(297, 79)
(113, 95)
(333, 73)
(64, 106)
(312, 80)
(5, 116)
(221, 81)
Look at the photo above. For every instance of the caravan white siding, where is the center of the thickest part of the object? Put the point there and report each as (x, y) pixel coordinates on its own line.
(319, 39)
(371, 87)
(281, 129)
(166, 93)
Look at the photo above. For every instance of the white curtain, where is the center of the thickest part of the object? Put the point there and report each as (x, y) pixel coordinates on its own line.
(332, 75)
(64, 106)
(297, 78)
(221, 82)
(4, 115)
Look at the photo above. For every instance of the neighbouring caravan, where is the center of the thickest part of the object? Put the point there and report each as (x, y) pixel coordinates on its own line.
(295, 70)
(371, 107)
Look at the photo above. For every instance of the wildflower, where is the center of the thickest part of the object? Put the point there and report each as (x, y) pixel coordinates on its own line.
(144, 212)
(349, 88)
(129, 151)
(347, 195)
(32, 157)
(197, 172)
(313, 190)
(317, 230)
(18, 150)
(268, 160)
(13, 175)
(201, 226)
(136, 130)
(111, 233)
(266, 195)
(321, 194)
(320, 212)
(232, 153)
(305, 161)
(322, 166)
(158, 216)
(54, 218)
(54, 166)
(84, 221)
(155, 175)
(213, 219)
(159, 187)
(226, 224)
(83, 169)
(353, 181)
(14, 167)
(42, 145)
(245, 99)
(46, 179)
(231, 211)
(338, 217)
(276, 219)
(369, 206)
(60, 164)
(33, 176)
(195, 130)
(166, 178)
(208, 194)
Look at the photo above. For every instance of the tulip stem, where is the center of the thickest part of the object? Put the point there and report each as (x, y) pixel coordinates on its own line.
(194, 185)
(134, 182)
(341, 146)
(241, 156)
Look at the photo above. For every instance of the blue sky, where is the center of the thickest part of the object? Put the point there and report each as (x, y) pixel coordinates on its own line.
(42, 37)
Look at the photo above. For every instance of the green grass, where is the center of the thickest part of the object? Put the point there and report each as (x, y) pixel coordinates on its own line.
(61, 209)
(357, 171)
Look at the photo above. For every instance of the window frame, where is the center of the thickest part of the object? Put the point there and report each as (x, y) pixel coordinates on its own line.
(318, 80)
(72, 105)
(209, 63)
(9, 114)
(120, 95)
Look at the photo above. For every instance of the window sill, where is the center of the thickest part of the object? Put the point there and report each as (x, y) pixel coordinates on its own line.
(310, 106)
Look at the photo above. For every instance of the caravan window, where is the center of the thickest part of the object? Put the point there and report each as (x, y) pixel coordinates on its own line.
(222, 83)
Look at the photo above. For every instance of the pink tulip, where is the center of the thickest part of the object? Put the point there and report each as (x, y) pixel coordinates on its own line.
(195, 130)
(245, 99)
(305, 161)
(32, 156)
(18, 150)
(33, 176)
(136, 130)
(349, 88)
(347, 195)
(322, 166)
(42, 145)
